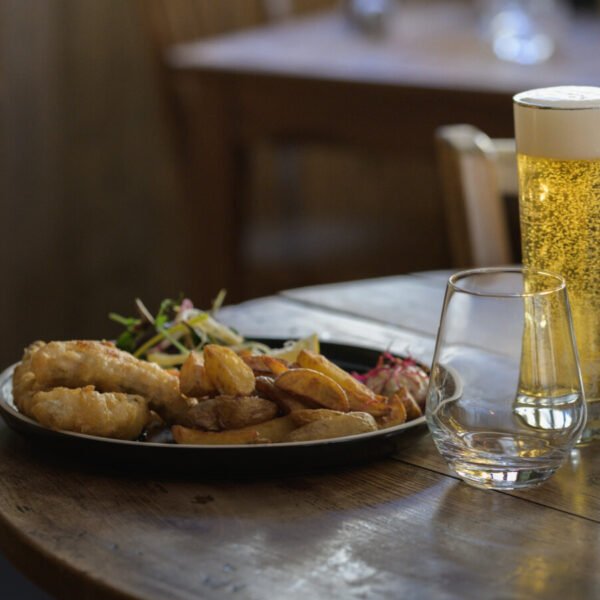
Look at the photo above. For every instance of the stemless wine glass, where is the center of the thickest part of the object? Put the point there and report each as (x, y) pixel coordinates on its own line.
(505, 402)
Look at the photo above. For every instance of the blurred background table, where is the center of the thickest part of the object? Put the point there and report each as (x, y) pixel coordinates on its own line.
(318, 81)
(398, 527)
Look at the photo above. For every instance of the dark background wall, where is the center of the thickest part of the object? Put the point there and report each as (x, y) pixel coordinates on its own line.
(89, 200)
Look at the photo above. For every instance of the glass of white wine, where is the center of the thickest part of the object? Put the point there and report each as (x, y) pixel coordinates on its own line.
(505, 403)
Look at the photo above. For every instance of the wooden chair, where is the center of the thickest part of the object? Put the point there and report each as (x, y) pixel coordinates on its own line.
(477, 173)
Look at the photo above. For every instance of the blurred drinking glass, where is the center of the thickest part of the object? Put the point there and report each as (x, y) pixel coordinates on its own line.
(558, 154)
(523, 31)
(369, 16)
(505, 402)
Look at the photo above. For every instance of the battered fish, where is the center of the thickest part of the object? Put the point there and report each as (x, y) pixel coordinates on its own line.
(77, 364)
(84, 410)
(24, 381)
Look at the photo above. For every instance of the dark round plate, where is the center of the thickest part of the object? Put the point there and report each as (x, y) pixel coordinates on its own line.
(223, 460)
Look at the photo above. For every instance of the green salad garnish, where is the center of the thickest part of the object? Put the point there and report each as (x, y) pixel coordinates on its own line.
(176, 329)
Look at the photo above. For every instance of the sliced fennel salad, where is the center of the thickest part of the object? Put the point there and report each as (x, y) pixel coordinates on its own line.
(178, 328)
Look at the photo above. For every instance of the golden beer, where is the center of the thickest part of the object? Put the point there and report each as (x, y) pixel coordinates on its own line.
(558, 152)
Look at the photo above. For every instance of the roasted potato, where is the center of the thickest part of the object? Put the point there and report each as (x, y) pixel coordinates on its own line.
(266, 388)
(184, 435)
(262, 364)
(193, 379)
(360, 397)
(203, 415)
(229, 412)
(340, 426)
(235, 413)
(397, 413)
(303, 417)
(315, 387)
(227, 371)
(413, 410)
(275, 430)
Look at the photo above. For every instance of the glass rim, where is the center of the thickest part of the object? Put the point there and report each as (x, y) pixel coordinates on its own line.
(523, 104)
(526, 98)
(453, 282)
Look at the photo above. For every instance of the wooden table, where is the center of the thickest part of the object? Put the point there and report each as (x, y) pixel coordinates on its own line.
(402, 527)
(319, 81)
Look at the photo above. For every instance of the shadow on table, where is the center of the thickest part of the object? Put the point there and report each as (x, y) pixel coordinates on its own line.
(218, 462)
(334, 515)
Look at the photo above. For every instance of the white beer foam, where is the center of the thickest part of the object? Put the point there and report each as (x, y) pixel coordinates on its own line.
(558, 122)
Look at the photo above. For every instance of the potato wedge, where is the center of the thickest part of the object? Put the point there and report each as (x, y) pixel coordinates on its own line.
(235, 413)
(413, 410)
(203, 415)
(313, 386)
(275, 430)
(185, 435)
(360, 397)
(193, 379)
(397, 413)
(262, 364)
(266, 388)
(303, 417)
(227, 371)
(340, 426)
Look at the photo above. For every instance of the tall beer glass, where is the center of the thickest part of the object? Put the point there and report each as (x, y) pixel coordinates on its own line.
(558, 150)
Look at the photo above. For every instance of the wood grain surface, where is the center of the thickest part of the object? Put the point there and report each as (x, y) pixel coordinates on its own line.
(412, 303)
(399, 527)
(386, 530)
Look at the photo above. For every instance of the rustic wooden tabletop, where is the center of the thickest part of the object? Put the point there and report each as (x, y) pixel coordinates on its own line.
(402, 527)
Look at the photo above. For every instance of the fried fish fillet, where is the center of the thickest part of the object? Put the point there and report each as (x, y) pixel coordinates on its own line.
(77, 364)
(84, 410)
(24, 381)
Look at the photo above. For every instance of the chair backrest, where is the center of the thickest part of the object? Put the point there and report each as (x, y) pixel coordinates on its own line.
(477, 172)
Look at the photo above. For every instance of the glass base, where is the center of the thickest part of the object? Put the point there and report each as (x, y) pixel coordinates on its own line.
(500, 460)
(501, 478)
(591, 431)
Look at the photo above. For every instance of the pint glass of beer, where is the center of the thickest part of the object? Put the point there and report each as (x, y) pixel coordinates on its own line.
(558, 150)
